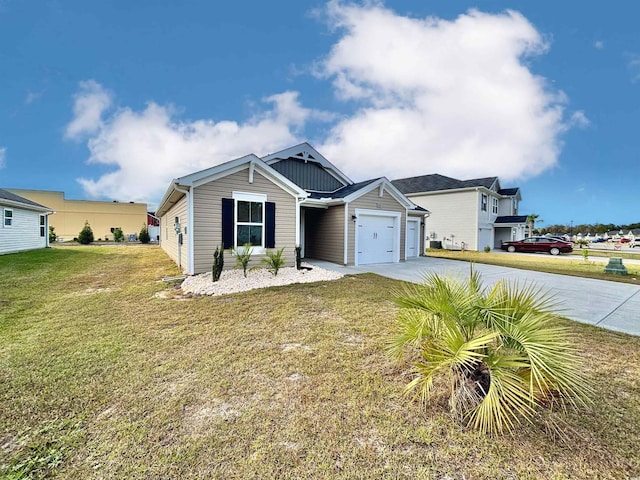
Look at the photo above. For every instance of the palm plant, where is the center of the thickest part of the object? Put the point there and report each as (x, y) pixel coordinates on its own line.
(499, 350)
(243, 257)
(274, 261)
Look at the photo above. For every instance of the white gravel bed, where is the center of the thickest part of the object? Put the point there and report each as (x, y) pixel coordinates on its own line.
(233, 281)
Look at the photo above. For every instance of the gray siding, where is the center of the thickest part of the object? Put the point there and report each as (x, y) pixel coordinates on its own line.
(169, 238)
(324, 234)
(207, 211)
(373, 201)
(24, 233)
(308, 175)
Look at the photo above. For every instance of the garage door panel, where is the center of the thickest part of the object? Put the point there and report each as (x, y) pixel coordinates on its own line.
(376, 239)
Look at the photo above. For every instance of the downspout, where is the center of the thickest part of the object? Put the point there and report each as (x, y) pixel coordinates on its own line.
(345, 258)
(190, 234)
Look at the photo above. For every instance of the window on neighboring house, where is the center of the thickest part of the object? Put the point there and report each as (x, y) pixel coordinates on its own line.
(494, 206)
(43, 222)
(515, 206)
(483, 203)
(8, 217)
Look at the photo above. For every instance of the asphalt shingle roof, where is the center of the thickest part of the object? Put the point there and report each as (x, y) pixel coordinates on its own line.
(508, 191)
(436, 182)
(6, 195)
(512, 219)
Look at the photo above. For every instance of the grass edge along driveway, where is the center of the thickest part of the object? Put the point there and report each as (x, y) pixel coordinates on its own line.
(101, 379)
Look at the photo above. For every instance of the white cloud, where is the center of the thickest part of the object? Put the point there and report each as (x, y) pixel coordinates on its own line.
(147, 148)
(89, 104)
(579, 119)
(438, 96)
(634, 66)
(598, 44)
(3, 156)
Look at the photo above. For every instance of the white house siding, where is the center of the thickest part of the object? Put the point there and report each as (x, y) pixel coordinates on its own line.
(373, 201)
(169, 237)
(452, 213)
(207, 211)
(24, 233)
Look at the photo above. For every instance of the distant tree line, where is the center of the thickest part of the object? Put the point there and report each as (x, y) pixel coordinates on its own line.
(584, 228)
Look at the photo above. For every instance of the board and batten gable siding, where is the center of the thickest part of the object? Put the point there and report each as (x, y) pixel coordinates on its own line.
(207, 212)
(373, 201)
(452, 213)
(24, 233)
(169, 237)
(324, 234)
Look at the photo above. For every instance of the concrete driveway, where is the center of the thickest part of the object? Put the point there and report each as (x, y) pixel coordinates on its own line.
(611, 305)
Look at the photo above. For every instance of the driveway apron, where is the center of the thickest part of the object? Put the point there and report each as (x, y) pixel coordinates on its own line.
(611, 305)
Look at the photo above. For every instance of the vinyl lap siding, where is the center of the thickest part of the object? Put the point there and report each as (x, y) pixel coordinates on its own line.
(24, 234)
(324, 234)
(168, 236)
(373, 201)
(207, 211)
(452, 213)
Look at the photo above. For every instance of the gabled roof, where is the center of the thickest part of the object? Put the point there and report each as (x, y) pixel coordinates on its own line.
(11, 199)
(248, 162)
(356, 190)
(306, 153)
(436, 182)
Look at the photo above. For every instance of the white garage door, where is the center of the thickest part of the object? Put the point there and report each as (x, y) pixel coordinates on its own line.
(376, 239)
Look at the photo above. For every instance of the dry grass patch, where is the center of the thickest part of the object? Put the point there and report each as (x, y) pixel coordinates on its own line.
(286, 382)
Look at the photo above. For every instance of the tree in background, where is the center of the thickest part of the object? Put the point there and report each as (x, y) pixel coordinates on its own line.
(85, 237)
(531, 220)
(144, 236)
(118, 236)
(52, 234)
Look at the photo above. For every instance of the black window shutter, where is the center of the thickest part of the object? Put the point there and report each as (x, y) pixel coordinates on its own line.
(227, 223)
(270, 225)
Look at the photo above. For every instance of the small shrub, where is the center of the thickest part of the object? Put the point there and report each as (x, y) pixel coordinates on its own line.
(218, 264)
(52, 234)
(85, 237)
(298, 257)
(243, 257)
(144, 236)
(274, 261)
(487, 249)
(585, 254)
(118, 236)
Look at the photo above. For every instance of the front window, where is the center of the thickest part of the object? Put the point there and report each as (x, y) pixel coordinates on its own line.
(8, 217)
(42, 225)
(249, 219)
(494, 206)
(483, 203)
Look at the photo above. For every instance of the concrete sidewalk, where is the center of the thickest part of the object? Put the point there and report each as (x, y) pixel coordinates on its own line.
(611, 305)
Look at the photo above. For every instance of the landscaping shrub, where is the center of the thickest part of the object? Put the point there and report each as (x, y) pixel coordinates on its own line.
(487, 248)
(274, 261)
(243, 257)
(218, 264)
(499, 352)
(118, 236)
(52, 234)
(298, 250)
(144, 236)
(85, 237)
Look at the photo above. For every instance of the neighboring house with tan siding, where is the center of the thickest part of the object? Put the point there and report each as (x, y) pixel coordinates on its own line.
(294, 197)
(469, 214)
(103, 217)
(25, 224)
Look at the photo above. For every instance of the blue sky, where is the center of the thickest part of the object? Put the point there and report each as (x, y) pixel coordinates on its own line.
(111, 100)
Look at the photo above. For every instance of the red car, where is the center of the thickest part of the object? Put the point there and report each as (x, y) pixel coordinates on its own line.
(538, 244)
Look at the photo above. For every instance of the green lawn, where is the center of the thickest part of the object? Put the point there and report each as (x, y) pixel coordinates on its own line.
(102, 379)
(574, 265)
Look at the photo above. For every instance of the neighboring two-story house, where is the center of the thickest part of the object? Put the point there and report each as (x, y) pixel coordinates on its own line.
(469, 214)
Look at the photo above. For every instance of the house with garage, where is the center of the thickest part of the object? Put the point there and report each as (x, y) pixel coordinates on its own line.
(294, 197)
(467, 214)
(25, 224)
